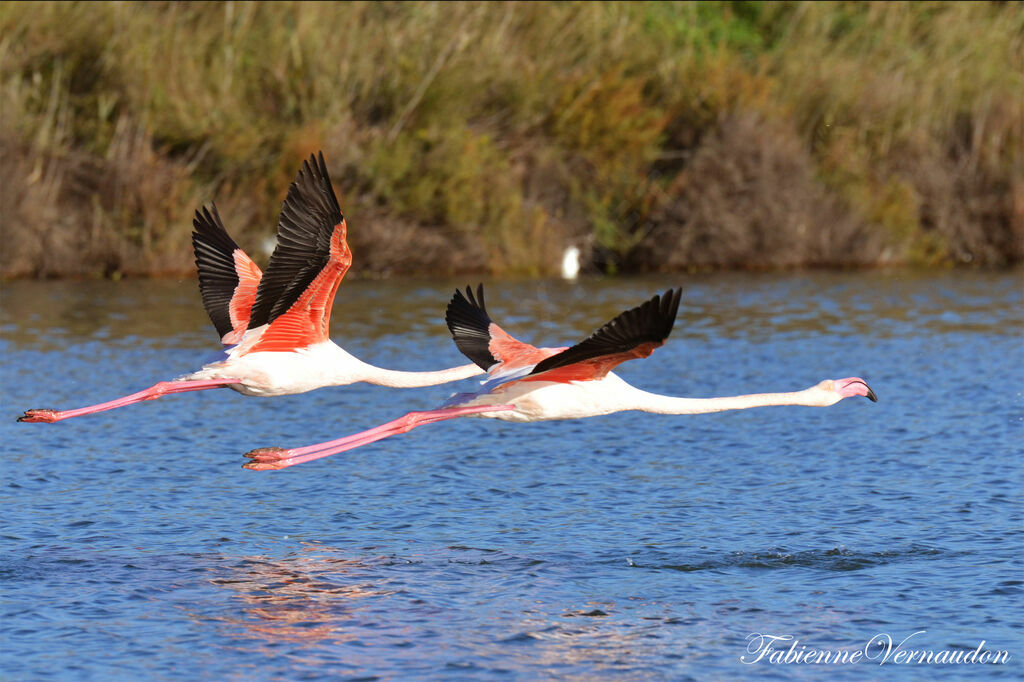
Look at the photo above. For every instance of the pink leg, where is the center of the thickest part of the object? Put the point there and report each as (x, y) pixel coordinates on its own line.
(152, 393)
(264, 459)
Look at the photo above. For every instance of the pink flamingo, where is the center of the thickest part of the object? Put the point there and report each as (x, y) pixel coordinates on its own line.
(528, 384)
(275, 324)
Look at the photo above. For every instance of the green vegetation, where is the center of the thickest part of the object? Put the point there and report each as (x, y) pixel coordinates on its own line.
(487, 137)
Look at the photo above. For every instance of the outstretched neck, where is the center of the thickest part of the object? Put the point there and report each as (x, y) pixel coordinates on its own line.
(398, 379)
(348, 369)
(663, 404)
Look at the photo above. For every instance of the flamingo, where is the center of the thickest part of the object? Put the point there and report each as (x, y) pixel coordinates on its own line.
(528, 384)
(275, 324)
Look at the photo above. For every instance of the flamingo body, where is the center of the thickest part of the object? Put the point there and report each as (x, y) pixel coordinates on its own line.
(534, 401)
(275, 324)
(528, 384)
(576, 382)
(548, 400)
(274, 373)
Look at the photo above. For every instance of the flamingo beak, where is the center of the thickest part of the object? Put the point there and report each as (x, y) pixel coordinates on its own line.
(855, 386)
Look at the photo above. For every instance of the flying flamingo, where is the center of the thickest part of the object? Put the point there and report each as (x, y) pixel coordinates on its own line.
(528, 384)
(275, 324)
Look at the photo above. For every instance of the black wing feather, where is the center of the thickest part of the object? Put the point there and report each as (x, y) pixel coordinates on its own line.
(218, 278)
(650, 322)
(469, 324)
(308, 218)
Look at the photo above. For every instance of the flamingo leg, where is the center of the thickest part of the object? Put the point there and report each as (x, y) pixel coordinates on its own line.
(264, 459)
(152, 393)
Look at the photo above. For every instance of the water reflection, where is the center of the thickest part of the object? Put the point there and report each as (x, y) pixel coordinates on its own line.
(321, 602)
(53, 315)
(49, 315)
(306, 599)
(322, 607)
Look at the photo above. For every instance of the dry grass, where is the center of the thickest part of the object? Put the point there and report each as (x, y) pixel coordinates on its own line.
(486, 137)
(750, 198)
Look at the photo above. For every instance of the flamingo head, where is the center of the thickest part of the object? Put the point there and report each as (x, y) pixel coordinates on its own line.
(831, 391)
(849, 387)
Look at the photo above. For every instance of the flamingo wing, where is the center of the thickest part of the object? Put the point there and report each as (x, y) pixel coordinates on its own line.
(634, 333)
(484, 342)
(312, 256)
(228, 278)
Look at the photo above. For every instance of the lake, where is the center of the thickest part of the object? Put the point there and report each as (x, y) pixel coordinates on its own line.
(632, 546)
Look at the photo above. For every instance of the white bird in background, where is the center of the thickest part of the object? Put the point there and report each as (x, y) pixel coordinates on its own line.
(528, 384)
(571, 263)
(275, 324)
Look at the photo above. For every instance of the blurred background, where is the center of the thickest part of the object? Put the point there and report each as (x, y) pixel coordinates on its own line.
(491, 137)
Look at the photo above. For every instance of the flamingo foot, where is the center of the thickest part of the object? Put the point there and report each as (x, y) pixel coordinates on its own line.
(40, 416)
(268, 459)
(262, 466)
(272, 454)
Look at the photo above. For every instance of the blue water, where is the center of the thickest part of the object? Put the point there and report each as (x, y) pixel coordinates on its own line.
(631, 546)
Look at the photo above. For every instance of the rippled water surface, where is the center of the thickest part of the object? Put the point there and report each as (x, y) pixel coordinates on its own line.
(632, 546)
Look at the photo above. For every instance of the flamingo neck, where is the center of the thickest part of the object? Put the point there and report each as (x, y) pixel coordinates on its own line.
(351, 369)
(663, 404)
(399, 379)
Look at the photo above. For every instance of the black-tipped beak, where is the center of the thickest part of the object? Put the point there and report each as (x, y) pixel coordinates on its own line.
(869, 394)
